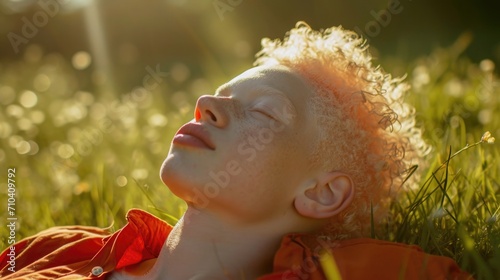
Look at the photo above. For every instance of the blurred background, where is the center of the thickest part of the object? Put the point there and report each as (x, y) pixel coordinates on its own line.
(219, 38)
(91, 93)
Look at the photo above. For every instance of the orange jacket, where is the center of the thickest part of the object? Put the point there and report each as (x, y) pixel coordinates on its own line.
(81, 252)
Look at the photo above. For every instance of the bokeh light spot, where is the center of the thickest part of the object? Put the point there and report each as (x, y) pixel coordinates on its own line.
(421, 77)
(33, 148)
(454, 88)
(140, 173)
(75, 111)
(121, 181)
(42, 82)
(157, 120)
(14, 140)
(81, 60)
(28, 99)
(23, 147)
(485, 116)
(65, 151)
(180, 72)
(487, 65)
(14, 111)
(84, 97)
(37, 116)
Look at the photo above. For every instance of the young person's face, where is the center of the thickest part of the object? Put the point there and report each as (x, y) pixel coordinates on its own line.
(248, 148)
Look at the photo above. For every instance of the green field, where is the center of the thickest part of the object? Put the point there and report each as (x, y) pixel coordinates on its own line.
(86, 158)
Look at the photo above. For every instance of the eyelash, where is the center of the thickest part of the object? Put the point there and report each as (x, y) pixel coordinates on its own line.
(263, 112)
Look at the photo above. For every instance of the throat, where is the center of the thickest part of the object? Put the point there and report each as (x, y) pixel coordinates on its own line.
(197, 250)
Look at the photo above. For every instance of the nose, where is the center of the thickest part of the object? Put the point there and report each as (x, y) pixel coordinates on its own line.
(210, 109)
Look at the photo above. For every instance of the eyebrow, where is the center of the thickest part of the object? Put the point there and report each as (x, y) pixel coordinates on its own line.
(225, 89)
(270, 91)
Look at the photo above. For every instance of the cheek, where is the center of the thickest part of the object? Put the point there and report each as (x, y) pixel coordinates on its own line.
(256, 144)
(264, 161)
(264, 153)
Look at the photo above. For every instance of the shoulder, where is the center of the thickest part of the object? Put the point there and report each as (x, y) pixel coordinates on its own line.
(76, 250)
(54, 247)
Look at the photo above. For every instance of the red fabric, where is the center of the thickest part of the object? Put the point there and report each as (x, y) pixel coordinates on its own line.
(359, 259)
(72, 253)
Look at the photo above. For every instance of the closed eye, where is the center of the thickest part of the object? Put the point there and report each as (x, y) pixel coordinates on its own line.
(263, 112)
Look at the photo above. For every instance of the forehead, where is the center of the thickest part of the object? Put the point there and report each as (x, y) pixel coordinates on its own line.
(278, 77)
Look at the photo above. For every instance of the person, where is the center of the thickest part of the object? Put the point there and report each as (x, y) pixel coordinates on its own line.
(285, 171)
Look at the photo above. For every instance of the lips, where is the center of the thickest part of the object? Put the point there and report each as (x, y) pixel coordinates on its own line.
(194, 135)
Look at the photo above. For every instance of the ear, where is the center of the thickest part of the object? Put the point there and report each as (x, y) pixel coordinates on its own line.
(331, 194)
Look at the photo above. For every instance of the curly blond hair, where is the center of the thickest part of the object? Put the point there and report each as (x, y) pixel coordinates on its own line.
(368, 131)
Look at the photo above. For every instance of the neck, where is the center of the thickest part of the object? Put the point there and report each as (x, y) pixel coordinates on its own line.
(202, 246)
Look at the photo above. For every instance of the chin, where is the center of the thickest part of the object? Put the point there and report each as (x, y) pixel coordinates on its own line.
(173, 182)
(167, 172)
(177, 178)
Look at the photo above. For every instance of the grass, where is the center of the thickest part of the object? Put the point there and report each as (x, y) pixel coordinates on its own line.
(84, 159)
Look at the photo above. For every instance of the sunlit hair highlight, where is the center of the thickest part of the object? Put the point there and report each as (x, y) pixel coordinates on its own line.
(368, 131)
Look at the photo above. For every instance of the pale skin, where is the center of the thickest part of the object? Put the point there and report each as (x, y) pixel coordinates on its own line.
(258, 135)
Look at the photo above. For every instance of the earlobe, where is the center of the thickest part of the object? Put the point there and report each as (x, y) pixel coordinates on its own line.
(330, 195)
